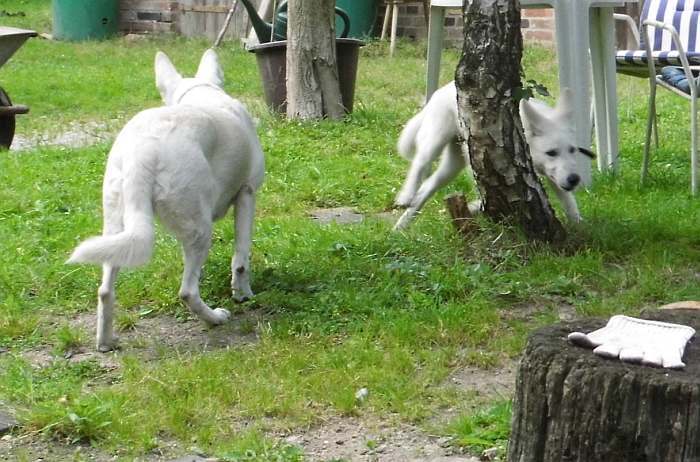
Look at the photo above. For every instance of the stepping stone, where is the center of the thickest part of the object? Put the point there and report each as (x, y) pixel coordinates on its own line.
(195, 458)
(340, 215)
(687, 305)
(7, 423)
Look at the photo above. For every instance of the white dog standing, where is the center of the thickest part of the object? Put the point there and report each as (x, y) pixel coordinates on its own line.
(187, 163)
(433, 133)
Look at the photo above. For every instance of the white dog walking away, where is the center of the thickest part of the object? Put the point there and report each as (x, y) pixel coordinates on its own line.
(433, 133)
(186, 162)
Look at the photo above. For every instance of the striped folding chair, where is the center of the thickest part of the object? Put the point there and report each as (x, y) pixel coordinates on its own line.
(671, 36)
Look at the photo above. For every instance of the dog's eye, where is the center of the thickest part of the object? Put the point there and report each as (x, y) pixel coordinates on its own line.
(552, 153)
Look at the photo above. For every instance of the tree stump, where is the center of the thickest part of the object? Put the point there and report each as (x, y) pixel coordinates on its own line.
(571, 405)
(458, 208)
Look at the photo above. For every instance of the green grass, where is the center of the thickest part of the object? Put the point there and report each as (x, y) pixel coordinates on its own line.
(340, 307)
(485, 429)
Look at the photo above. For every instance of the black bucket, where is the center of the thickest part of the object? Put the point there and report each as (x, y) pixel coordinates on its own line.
(272, 63)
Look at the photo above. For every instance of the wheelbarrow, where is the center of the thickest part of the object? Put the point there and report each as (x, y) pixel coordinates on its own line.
(10, 40)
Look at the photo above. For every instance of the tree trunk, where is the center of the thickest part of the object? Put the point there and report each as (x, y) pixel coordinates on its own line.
(312, 73)
(571, 405)
(487, 77)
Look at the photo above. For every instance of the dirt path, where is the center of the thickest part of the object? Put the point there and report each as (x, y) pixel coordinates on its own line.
(74, 135)
(349, 439)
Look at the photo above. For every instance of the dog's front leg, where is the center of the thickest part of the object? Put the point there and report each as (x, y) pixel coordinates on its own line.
(106, 340)
(196, 252)
(240, 263)
(568, 201)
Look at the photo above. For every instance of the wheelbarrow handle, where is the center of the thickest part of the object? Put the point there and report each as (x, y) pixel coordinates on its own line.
(12, 110)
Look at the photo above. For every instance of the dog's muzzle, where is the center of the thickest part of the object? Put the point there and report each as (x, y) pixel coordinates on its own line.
(572, 181)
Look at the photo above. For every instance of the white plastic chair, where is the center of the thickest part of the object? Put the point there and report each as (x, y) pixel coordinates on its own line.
(667, 47)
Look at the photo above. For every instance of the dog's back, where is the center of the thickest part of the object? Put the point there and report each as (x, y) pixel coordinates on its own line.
(436, 122)
(189, 149)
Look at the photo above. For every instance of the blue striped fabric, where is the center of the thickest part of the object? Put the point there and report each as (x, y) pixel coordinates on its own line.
(661, 58)
(684, 15)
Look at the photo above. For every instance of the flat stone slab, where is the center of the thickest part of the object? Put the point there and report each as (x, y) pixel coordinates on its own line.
(195, 458)
(340, 215)
(687, 305)
(7, 423)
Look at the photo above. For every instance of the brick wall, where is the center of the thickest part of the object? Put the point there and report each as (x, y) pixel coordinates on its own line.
(537, 24)
(157, 16)
(142, 16)
(177, 16)
(200, 18)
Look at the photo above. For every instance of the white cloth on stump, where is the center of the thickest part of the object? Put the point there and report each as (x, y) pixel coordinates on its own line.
(652, 343)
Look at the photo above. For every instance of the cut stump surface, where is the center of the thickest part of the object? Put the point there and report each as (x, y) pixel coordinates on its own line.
(571, 405)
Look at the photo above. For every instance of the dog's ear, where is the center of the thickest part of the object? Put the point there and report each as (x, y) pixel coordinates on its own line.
(533, 122)
(586, 152)
(210, 69)
(167, 77)
(564, 104)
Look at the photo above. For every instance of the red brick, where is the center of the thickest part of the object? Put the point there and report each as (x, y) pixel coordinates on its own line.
(538, 35)
(537, 12)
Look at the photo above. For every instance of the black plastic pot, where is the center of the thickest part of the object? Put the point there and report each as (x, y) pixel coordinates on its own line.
(272, 63)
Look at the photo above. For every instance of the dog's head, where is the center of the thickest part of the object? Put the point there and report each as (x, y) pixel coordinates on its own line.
(550, 135)
(173, 87)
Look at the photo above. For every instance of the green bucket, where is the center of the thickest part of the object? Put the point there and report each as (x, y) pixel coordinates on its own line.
(362, 15)
(85, 19)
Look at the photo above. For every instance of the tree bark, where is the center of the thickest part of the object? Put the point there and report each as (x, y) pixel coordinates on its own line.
(571, 405)
(312, 73)
(487, 77)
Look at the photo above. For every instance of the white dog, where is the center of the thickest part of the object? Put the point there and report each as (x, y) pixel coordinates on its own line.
(434, 131)
(187, 163)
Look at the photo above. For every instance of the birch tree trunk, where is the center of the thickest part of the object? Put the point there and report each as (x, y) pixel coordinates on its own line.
(487, 76)
(312, 73)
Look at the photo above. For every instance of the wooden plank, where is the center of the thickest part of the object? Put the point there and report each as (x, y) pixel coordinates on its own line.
(205, 18)
(206, 9)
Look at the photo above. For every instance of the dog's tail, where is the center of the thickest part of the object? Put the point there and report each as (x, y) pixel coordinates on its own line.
(407, 139)
(134, 245)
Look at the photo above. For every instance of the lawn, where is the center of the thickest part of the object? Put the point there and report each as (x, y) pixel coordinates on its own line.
(338, 307)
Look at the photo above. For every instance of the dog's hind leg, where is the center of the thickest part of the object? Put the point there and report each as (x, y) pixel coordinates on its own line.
(427, 151)
(106, 340)
(452, 163)
(240, 264)
(106, 296)
(196, 249)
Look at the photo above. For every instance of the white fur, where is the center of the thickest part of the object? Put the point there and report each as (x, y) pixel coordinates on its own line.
(186, 162)
(433, 132)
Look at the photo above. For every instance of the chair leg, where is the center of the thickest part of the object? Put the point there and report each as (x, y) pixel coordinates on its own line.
(693, 146)
(394, 24)
(651, 117)
(426, 12)
(656, 131)
(385, 25)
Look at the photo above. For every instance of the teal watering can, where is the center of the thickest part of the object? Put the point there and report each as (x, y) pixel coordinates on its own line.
(264, 30)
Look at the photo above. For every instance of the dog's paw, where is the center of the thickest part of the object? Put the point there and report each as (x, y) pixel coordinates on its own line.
(242, 298)
(403, 199)
(107, 345)
(241, 294)
(404, 220)
(220, 316)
